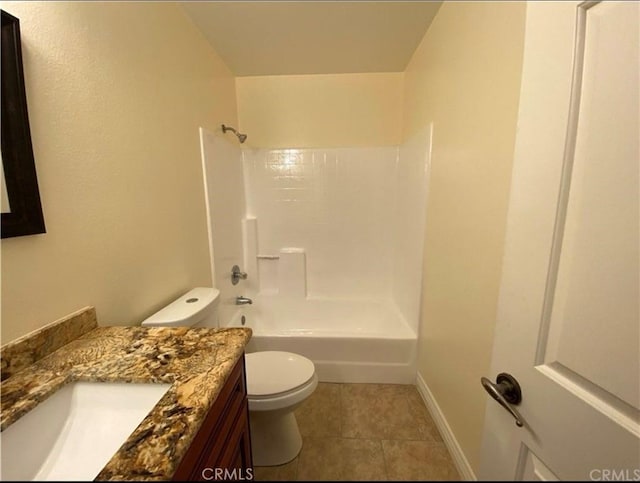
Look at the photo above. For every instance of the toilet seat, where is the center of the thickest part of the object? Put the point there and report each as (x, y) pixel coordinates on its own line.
(278, 380)
(286, 400)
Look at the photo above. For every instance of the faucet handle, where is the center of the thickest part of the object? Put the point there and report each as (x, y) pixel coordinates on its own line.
(236, 275)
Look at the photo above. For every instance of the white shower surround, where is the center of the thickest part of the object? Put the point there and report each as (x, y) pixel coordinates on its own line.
(348, 340)
(358, 214)
(337, 204)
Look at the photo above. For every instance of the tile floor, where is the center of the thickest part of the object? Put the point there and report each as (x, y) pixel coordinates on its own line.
(365, 432)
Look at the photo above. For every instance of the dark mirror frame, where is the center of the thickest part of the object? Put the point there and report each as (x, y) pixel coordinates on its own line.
(18, 163)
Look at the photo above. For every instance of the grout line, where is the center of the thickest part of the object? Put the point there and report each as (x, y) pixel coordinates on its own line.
(384, 461)
(407, 440)
(340, 410)
(295, 473)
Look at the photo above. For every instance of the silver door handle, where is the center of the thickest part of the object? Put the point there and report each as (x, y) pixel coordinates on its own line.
(506, 391)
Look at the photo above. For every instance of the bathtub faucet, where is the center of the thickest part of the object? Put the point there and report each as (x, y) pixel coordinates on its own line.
(243, 300)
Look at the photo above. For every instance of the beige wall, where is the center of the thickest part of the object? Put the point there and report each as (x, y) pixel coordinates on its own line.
(329, 110)
(465, 77)
(116, 93)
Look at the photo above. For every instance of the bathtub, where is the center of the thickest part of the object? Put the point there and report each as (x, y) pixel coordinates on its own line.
(348, 340)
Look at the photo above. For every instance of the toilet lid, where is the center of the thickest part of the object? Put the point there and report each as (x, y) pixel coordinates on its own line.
(273, 372)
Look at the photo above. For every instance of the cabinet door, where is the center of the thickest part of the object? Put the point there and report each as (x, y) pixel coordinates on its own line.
(237, 453)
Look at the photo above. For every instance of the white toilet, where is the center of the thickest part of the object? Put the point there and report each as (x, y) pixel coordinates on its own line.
(277, 382)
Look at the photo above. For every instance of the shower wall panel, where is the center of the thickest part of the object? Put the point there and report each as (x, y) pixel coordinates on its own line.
(412, 177)
(224, 189)
(336, 204)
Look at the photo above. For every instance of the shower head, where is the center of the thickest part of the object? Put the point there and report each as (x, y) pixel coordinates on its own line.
(241, 137)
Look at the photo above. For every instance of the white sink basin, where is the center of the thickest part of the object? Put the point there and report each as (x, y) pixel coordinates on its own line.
(74, 433)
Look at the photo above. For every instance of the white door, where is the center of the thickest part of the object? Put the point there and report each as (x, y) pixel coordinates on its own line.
(568, 319)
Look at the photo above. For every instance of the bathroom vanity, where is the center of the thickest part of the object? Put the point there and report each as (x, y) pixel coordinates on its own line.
(198, 424)
(223, 441)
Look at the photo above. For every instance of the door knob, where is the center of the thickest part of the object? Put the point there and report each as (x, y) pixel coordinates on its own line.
(506, 391)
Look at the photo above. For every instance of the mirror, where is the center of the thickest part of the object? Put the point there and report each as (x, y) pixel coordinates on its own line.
(20, 199)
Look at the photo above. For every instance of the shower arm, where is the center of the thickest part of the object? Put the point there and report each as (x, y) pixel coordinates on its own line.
(229, 128)
(241, 137)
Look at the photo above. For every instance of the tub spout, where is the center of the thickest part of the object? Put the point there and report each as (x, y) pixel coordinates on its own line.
(243, 300)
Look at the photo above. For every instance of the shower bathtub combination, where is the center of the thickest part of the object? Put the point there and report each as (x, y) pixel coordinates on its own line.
(348, 340)
(331, 241)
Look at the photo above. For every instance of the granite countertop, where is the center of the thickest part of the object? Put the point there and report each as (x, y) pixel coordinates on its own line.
(196, 361)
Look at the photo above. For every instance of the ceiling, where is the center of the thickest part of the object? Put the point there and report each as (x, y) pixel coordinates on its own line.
(307, 37)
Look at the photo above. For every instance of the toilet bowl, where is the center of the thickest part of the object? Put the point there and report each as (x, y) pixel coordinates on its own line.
(277, 382)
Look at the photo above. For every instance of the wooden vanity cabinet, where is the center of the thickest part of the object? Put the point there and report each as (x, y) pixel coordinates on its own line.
(222, 447)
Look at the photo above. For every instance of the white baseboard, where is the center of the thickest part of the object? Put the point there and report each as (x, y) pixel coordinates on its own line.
(459, 458)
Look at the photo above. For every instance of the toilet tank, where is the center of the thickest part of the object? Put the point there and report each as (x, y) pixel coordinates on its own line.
(196, 307)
